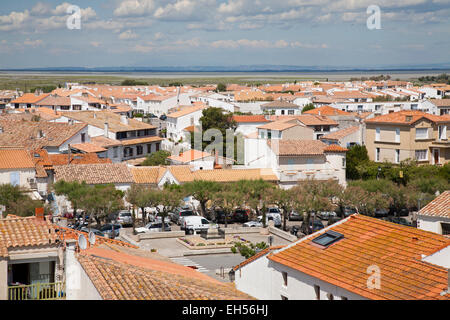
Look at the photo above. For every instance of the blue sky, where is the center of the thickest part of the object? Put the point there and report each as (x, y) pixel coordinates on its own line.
(223, 32)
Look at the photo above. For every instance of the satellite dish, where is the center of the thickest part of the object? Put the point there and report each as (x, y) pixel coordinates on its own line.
(91, 238)
(82, 242)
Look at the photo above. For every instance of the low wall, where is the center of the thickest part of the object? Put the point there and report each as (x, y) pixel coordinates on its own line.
(282, 234)
(160, 235)
(241, 230)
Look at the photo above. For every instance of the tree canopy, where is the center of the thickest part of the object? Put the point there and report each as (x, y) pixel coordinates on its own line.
(158, 158)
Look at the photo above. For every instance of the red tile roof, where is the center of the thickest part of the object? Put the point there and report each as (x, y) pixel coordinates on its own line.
(15, 159)
(439, 207)
(337, 135)
(18, 232)
(327, 111)
(397, 250)
(250, 119)
(406, 117)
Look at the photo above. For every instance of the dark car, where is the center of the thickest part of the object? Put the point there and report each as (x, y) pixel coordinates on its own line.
(240, 215)
(163, 117)
(318, 225)
(295, 216)
(219, 217)
(151, 115)
(380, 213)
(398, 212)
(398, 220)
(94, 231)
(347, 211)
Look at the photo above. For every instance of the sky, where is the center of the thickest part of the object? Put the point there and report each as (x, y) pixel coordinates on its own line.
(152, 33)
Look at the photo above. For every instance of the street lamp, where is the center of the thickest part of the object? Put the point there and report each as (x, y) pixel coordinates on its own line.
(378, 173)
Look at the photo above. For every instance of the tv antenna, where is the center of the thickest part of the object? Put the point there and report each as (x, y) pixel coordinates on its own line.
(91, 238)
(82, 242)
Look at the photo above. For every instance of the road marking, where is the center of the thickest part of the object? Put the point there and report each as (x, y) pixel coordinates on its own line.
(188, 262)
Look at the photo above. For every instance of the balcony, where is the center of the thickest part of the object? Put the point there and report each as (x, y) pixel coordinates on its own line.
(38, 291)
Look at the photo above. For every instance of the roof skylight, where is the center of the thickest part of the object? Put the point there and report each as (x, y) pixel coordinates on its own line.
(328, 238)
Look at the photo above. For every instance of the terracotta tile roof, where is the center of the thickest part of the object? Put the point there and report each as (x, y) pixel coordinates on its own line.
(297, 147)
(182, 173)
(86, 158)
(94, 173)
(26, 232)
(30, 98)
(231, 175)
(98, 119)
(141, 140)
(99, 240)
(327, 111)
(104, 142)
(147, 175)
(120, 276)
(54, 100)
(441, 102)
(88, 147)
(15, 159)
(190, 155)
(316, 120)
(250, 119)
(334, 148)
(406, 118)
(27, 133)
(257, 256)
(337, 135)
(279, 125)
(439, 207)
(350, 94)
(397, 250)
(185, 110)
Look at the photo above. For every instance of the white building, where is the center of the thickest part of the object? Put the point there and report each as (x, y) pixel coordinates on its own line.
(354, 259)
(435, 216)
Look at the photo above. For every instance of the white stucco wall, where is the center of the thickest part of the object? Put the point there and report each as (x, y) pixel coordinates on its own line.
(432, 224)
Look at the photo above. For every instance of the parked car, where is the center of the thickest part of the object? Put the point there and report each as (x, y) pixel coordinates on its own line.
(219, 217)
(153, 227)
(348, 211)
(157, 218)
(107, 229)
(295, 216)
(318, 225)
(379, 213)
(151, 115)
(95, 231)
(399, 212)
(68, 215)
(325, 215)
(398, 220)
(259, 222)
(178, 216)
(163, 117)
(254, 224)
(124, 218)
(240, 215)
(196, 223)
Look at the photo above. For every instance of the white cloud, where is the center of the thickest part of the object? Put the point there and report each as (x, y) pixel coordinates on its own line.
(33, 43)
(41, 9)
(14, 21)
(131, 8)
(128, 35)
(186, 10)
(263, 44)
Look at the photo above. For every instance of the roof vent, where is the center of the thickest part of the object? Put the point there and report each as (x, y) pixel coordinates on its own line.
(328, 238)
(408, 118)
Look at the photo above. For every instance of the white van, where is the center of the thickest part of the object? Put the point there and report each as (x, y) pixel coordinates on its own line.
(196, 223)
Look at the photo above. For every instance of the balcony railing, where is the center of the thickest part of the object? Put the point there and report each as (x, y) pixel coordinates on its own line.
(38, 291)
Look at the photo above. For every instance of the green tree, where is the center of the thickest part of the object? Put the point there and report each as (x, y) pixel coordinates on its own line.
(17, 202)
(228, 199)
(73, 191)
(221, 87)
(131, 82)
(202, 191)
(169, 199)
(356, 155)
(285, 199)
(158, 158)
(308, 107)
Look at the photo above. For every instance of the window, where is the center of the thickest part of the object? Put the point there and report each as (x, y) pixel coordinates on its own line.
(285, 278)
(317, 290)
(421, 133)
(282, 112)
(445, 228)
(397, 156)
(262, 134)
(269, 134)
(139, 150)
(397, 135)
(64, 107)
(76, 107)
(290, 112)
(83, 137)
(421, 155)
(291, 161)
(377, 134)
(343, 162)
(115, 152)
(377, 154)
(328, 238)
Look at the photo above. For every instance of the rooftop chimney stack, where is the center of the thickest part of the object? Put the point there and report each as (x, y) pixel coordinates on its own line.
(106, 130)
(124, 119)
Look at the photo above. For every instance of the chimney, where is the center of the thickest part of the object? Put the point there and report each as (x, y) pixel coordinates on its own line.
(124, 119)
(106, 130)
(39, 213)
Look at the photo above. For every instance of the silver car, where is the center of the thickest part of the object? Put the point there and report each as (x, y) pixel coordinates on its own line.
(124, 218)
